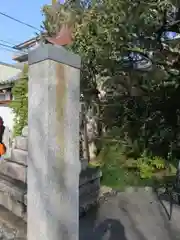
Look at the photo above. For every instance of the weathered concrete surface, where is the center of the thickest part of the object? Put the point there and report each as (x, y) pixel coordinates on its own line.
(11, 227)
(13, 170)
(12, 189)
(12, 205)
(53, 144)
(19, 156)
(21, 143)
(130, 216)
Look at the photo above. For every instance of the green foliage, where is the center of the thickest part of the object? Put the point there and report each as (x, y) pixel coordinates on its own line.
(115, 171)
(147, 165)
(145, 170)
(111, 162)
(140, 111)
(158, 163)
(19, 104)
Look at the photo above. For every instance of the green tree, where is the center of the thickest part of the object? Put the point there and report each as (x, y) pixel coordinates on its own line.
(143, 105)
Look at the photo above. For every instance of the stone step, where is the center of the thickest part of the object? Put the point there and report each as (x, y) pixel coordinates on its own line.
(16, 207)
(90, 187)
(13, 188)
(89, 181)
(13, 193)
(12, 196)
(13, 170)
(87, 201)
(21, 143)
(11, 226)
(19, 156)
(88, 175)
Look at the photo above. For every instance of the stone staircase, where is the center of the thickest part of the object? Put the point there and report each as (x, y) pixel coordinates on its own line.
(89, 188)
(13, 186)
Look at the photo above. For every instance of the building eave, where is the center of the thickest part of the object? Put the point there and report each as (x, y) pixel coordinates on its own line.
(29, 42)
(10, 65)
(21, 58)
(8, 83)
(6, 86)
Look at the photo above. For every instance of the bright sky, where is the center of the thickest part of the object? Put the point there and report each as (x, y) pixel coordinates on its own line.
(13, 32)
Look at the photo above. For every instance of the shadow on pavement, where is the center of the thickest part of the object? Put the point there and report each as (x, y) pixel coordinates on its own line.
(128, 216)
(109, 229)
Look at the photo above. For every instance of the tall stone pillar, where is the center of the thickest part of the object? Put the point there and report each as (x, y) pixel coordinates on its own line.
(53, 144)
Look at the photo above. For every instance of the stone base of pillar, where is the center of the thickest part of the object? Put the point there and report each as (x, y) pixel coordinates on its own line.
(89, 189)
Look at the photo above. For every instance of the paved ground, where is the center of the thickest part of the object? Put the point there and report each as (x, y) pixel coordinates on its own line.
(131, 216)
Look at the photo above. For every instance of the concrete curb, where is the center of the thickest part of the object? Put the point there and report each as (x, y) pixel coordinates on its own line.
(137, 189)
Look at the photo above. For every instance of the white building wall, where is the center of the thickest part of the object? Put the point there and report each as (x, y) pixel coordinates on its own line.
(7, 71)
(8, 116)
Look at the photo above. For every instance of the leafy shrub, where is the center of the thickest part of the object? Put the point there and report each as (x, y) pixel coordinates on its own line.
(19, 104)
(147, 165)
(145, 170)
(158, 163)
(128, 147)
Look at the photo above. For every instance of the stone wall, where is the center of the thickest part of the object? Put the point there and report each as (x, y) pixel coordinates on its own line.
(13, 180)
(13, 177)
(18, 161)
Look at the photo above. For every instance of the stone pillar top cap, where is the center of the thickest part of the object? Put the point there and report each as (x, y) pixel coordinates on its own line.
(53, 52)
